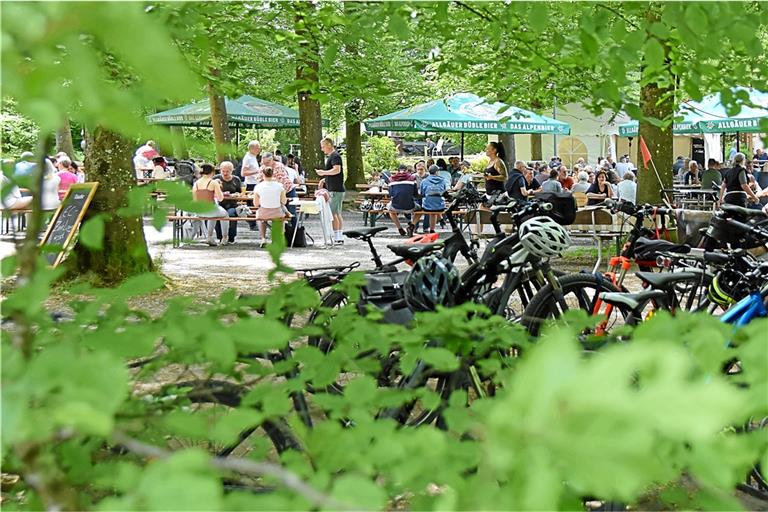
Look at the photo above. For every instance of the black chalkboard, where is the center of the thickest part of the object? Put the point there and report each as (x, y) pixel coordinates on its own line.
(63, 226)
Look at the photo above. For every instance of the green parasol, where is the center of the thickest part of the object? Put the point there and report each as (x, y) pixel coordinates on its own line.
(245, 110)
(466, 113)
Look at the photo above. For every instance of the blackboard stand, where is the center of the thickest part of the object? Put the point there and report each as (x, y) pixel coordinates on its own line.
(63, 226)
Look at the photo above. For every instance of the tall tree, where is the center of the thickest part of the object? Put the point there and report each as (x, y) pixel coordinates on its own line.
(657, 101)
(308, 82)
(219, 120)
(64, 138)
(123, 252)
(354, 147)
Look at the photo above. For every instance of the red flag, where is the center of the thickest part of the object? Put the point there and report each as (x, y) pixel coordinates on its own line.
(644, 151)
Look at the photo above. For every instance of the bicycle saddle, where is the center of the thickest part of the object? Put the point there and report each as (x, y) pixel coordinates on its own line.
(364, 233)
(743, 212)
(631, 300)
(665, 280)
(414, 251)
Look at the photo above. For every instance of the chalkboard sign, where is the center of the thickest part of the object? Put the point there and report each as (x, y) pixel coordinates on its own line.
(63, 226)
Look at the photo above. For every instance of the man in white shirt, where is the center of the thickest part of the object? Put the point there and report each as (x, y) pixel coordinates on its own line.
(627, 188)
(250, 170)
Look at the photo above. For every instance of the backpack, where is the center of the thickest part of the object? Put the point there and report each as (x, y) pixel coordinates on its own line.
(563, 206)
(434, 188)
(301, 236)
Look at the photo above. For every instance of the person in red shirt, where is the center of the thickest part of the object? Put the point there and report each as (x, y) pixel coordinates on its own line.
(565, 180)
(66, 177)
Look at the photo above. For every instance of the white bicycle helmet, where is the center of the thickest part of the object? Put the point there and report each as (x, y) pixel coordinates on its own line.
(543, 237)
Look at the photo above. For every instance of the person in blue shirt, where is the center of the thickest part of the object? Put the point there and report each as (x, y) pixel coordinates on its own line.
(432, 189)
(402, 194)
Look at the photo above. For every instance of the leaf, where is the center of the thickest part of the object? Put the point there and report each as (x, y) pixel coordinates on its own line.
(442, 359)
(654, 54)
(92, 233)
(141, 284)
(360, 492)
(398, 25)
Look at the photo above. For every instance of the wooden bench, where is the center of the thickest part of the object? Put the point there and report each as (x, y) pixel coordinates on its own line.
(178, 221)
(9, 215)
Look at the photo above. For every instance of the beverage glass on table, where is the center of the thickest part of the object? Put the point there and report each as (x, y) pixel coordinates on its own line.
(242, 190)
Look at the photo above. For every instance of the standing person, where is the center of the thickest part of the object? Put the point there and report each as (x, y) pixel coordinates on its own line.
(334, 181)
(711, 175)
(230, 185)
(553, 184)
(515, 185)
(736, 189)
(142, 160)
(496, 172)
(402, 193)
(692, 176)
(432, 190)
(269, 197)
(627, 189)
(66, 177)
(430, 147)
(600, 189)
(250, 170)
(207, 190)
(565, 180)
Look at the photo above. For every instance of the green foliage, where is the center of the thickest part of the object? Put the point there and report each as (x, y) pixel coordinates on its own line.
(19, 133)
(552, 432)
(478, 165)
(380, 154)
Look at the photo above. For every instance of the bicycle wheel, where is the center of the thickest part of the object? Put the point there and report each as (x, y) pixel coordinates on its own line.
(572, 292)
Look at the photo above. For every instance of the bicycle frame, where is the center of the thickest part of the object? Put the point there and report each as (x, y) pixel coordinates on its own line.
(747, 309)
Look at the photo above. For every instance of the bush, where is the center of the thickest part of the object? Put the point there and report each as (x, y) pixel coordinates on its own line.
(19, 134)
(379, 154)
(479, 164)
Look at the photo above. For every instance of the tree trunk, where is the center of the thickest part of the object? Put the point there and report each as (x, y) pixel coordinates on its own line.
(354, 152)
(124, 252)
(536, 153)
(508, 140)
(219, 121)
(307, 72)
(180, 150)
(658, 102)
(64, 139)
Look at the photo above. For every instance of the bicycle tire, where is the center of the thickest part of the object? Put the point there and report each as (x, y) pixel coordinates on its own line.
(547, 305)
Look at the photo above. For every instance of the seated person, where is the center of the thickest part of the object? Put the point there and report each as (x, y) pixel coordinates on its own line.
(67, 178)
(159, 170)
(600, 189)
(402, 193)
(270, 198)
(583, 184)
(432, 189)
(553, 184)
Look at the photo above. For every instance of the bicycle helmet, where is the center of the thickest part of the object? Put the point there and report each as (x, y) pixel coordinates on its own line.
(543, 237)
(723, 288)
(433, 281)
